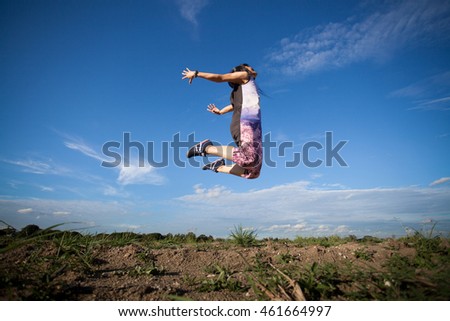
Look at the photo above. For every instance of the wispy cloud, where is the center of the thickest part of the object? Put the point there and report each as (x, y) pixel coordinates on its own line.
(440, 181)
(78, 145)
(109, 190)
(190, 9)
(438, 84)
(430, 93)
(128, 175)
(442, 104)
(374, 37)
(36, 166)
(32, 166)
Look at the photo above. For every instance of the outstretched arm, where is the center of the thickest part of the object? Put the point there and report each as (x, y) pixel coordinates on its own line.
(238, 77)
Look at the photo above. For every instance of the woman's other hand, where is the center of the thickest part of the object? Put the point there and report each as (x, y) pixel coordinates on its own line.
(213, 109)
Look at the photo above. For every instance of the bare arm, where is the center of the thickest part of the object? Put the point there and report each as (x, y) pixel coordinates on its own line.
(239, 77)
(213, 109)
(236, 77)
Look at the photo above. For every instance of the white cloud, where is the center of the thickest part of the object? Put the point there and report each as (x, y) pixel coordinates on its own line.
(135, 174)
(288, 228)
(210, 193)
(316, 175)
(440, 181)
(375, 37)
(110, 191)
(341, 229)
(190, 9)
(61, 213)
(46, 188)
(313, 209)
(128, 227)
(289, 210)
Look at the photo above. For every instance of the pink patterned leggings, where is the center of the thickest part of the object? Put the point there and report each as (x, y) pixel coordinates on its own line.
(249, 153)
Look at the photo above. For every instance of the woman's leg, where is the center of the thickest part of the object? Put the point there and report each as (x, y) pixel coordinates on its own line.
(227, 153)
(221, 151)
(232, 169)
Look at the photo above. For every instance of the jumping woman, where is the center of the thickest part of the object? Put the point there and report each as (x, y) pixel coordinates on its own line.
(245, 124)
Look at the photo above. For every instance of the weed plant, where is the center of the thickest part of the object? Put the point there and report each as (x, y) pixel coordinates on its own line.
(243, 237)
(223, 280)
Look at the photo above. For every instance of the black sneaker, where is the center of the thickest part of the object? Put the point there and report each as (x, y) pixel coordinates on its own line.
(199, 149)
(214, 166)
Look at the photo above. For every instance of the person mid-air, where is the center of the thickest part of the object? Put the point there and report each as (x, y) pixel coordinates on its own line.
(245, 124)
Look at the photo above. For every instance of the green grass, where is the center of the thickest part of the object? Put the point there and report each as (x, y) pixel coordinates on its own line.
(363, 254)
(223, 279)
(334, 240)
(322, 241)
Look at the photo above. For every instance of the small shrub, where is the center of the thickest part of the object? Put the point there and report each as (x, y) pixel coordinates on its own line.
(28, 230)
(204, 238)
(154, 237)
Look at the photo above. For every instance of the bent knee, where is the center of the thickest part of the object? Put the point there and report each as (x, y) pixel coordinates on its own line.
(251, 174)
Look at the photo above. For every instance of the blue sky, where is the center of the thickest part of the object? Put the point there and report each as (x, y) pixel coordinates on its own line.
(75, 75)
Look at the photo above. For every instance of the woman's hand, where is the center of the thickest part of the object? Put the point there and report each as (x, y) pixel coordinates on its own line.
(213, 109)
(188, 74)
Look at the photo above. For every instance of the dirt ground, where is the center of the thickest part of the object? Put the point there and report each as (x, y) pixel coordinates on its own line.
(210, 271)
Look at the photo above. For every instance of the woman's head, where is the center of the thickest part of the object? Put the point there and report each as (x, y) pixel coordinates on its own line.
(243, 67)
